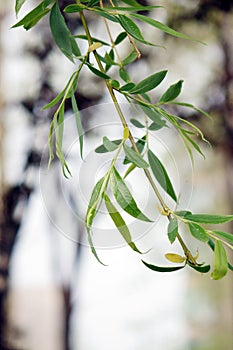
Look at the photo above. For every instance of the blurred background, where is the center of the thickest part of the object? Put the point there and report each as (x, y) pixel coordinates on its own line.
(53, 294)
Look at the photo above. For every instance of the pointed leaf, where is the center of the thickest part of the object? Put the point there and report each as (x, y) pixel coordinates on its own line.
(136, 123)
(78, 123)
(225, 235)
(18, 5)
(140, 146)
(135, 158)
(209, 219)
(103, 149)
(149, 83)
(119, 223)
(130, 27)
(124, 197)
(98, 72)
(199, 268)
(127, 87)
(130, 58)
(161, 26)
(109, 145)
(92, 246)
(163, 268)
(172, 230)
(198, 232)
(93, 203)
(176, 258)
(120, 38)
(161, 175)
(60, 31)
(220, 262)
(172, 92)
(33, 17)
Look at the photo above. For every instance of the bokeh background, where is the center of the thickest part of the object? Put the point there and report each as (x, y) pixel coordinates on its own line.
(54, 294)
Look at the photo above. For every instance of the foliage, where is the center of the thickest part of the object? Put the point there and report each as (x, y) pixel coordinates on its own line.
(138, 154)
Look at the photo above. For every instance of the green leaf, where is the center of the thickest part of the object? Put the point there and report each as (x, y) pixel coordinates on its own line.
(212, 246)
(131, 3)
(140, 146)
(18, 5)
(198, 232)
(156, 126)
(109, 145)
(130, 27)
(78, 123)
(172, 92)
(163, 268)
(60, 31)
(119, 223)
(92, 247)
(123, 196)
(149, 83)
(225, 235)
(124, 75)
(97, 72)
(135, 158)
(172, 230)
(74, 8)
(136, 123)
(161, 26)
(127, 87)
(182, 213)
(120, 38)
(130, 58)
(103, 149)
(200, 268)
(161, 175)
(209, 219)
(61, 94)
(154, 115)
(220, 262)
(93, 203)
(105, 14)
(33, 17)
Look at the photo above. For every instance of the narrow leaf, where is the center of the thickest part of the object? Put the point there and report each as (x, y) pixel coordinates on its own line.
(74, 8)
(161, 26)
(199, 268)
(209, 219)
(130, 27)
(103, 149)
(220, 262)
(92, 247)
(120, 38)
(172, 230)
(135, 158)
(176, 258)
(140, 146)
(93, 203)
(198, 232)
(225, 235)
(33, 17)
(149, 83)
(98, 72)
(60, 31)
(163, 268)
(127, 87)
(123, 196)
(136, 123)
(120, 223)
(18, 5)
(172, 92)
(78, 123)
(109, 145)
(161, 175)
